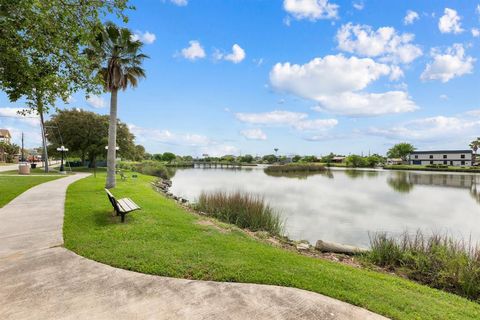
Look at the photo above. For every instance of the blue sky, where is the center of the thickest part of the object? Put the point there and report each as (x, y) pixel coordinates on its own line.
(305, 76)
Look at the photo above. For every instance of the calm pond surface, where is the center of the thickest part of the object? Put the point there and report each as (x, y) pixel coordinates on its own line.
(345, 205)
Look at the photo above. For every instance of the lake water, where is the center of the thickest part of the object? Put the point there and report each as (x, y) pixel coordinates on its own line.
(345, 205)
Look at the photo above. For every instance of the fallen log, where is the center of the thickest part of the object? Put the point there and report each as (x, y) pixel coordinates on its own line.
(325, 246)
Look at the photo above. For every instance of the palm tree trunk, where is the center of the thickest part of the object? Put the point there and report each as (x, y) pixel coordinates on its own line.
(44, 137)
(112, 140)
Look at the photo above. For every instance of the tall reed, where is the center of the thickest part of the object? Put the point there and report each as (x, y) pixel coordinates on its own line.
(243, 209)
(435, 260)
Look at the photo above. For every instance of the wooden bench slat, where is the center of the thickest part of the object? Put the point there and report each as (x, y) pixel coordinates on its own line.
(122, 206)
(132, 204)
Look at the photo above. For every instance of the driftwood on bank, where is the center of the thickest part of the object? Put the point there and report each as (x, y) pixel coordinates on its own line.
(325, 246)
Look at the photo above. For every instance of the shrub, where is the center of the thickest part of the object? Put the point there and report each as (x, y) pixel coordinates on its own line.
(148, 167)
(242, 209)
(438, 261)
(297, 167)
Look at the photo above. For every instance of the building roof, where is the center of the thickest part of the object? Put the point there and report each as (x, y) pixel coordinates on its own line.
(441, 151)
(4, 133)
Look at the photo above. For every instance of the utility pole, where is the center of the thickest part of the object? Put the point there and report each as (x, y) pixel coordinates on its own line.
(23, 157)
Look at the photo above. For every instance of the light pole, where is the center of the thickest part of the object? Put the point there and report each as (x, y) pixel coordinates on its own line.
(62, 151)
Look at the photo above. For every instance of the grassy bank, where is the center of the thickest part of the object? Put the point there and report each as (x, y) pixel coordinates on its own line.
(425, 168)
(242, 209)
(435, 260)
(164, 239)
(13, 186)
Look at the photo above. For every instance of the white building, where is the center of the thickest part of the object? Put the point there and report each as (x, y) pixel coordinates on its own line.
(458, 158)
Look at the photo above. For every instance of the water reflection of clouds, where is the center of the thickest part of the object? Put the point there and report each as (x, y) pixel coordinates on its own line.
(345, 209)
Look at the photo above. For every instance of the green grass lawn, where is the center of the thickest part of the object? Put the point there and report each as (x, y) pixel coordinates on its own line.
(163, 239)
(11, 187)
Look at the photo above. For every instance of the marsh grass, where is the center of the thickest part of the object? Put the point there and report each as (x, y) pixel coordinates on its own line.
(297, 167)
(435, 260)
(243, 209)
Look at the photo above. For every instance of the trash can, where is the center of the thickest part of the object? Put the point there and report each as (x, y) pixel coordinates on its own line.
(23, 168)
(33, 165)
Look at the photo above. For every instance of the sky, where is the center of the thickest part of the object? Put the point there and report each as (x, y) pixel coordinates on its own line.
(304, 76)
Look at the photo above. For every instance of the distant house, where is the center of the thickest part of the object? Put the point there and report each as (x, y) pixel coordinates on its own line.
(394, 161)
(5, 136)
(459, 158)
(338, 159)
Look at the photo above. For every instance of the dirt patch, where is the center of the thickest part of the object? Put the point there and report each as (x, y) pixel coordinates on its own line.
(211, 223)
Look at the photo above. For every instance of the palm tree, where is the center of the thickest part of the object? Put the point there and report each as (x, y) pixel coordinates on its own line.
(475, 145)
(117, 59)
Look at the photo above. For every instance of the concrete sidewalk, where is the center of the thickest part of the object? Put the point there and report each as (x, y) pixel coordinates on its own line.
(42, 280)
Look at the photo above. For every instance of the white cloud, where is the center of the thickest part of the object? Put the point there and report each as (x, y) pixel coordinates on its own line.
(439, 128)
(180, 3)
(12, 115)
(311, 9)
(384, 43)
(334, 82)
(448, 65)
(237, 55)
(475, 32)
(359, 5)
(443, 97)
(166, 136)
(194, 51)
(396, 73)
(316, 124)
(145, 37)
(410, 17)
(367, 104)
(254, 134)
(477, 10)
(276, 117)
(96, 102)
(450, 22)
(297, 120)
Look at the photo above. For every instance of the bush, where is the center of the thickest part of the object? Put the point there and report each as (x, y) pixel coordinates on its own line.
(437, 261)
(437, 166)
(148, 167)
(242, 209)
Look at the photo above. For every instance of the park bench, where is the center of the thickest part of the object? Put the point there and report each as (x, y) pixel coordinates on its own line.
(122, 206)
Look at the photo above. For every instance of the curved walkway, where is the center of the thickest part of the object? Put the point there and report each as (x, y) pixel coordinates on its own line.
(39, 279)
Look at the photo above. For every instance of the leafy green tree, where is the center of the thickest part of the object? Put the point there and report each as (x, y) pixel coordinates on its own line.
(84, 133)
(228, 158)
(269, 158)
(140, 153)
(309, 159)
(246, 158)
(40, 49)
(296, 158)
(401, 150)
(8, 151)
(168, 157)
(328, 158)
(117, 59)
(355, 161)
(157, 157)
(373, 160)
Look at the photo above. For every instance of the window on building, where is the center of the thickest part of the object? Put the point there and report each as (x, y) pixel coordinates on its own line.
(444, 156)
(445, 162)
(416, 156)
(462, 156)
(463, 163)
(431, 156)
(431, 162)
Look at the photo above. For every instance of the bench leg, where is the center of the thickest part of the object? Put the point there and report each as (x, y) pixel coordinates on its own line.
(123, 217)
